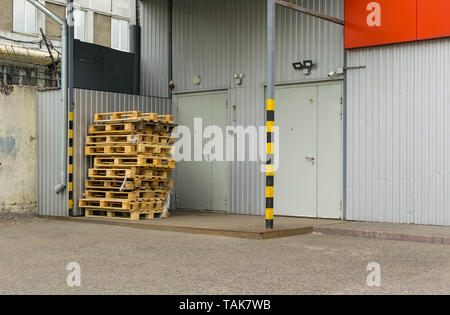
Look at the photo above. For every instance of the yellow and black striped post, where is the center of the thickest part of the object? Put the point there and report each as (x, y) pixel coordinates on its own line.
(70, 169)
(270, 108)
(270, 166)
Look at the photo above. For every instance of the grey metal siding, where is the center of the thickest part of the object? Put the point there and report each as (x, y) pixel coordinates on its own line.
(398, 133)
(154, 48)
(248, 178)
(215, 39)
(87, 104)
(49, 139)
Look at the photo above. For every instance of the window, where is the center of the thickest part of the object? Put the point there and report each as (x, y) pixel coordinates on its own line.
(79, 17)
(24, 17)
(119, 34)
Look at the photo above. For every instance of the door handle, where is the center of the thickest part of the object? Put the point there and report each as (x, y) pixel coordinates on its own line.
(310, 159)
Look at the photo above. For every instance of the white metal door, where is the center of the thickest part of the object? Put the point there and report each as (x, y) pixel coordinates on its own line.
(202, 185)
(330, 153)
(295, 179)
(309, 177)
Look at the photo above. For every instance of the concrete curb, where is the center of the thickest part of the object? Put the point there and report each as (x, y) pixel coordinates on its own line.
(256, 235)
(432, 239)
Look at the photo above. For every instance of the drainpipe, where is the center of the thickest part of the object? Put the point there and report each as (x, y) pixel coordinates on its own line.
(135, 46)
(59, 188)
(170, 47)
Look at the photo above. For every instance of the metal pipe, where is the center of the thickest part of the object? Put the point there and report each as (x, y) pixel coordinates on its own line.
(47, 12)
(345, 143)
(270, 108)
(169, 44)
(310, 12)
(59, 188)
(35, 56)
(133, 9)
(135, 47)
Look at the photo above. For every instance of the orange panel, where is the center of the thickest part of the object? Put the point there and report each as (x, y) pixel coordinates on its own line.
(380, 22)
(433, 18)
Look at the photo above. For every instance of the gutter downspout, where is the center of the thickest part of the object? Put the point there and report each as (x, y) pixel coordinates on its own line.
(135, 47)
(59, 188)
(170, 45)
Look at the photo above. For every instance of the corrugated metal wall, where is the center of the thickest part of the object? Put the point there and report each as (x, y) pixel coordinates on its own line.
(398, 133)
(48, 155)
(87, 104)
(154, 50)
(215, 39)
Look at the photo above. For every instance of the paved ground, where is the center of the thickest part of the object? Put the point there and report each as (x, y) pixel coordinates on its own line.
(35, 252)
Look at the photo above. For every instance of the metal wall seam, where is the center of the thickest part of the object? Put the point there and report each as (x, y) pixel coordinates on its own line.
(398, 127)
(248, 177)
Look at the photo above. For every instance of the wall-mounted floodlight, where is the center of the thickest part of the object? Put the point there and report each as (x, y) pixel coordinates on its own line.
(306, 66)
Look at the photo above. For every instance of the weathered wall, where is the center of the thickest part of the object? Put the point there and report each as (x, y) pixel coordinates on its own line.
(52, 29)
(102, 30)
(18, 151)
(6, 14)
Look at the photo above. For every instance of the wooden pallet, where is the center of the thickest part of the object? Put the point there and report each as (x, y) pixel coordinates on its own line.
(156, 173)
(137, 195)
(108, 204)
(131, 173)
(124, 129)
(117, 116)
(139, 161)
(125, 150)
(130, 150)
(123, 215)
(132, 116)
(108, 140)
(113, 173)
(166, 118)
(109, 184)
(155, 149)
(150, 206)
(153, 183)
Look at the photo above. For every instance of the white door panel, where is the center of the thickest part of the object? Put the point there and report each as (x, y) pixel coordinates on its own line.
(309, 177)
(295, 179)
(219, 180)
(193, 187)
(330, 152)
(202, 185)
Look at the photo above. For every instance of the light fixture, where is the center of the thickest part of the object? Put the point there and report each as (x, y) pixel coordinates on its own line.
(238, 78)
(306, 66)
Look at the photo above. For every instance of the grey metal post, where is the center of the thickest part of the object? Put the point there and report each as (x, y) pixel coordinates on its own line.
(70, 51)
(270, 108)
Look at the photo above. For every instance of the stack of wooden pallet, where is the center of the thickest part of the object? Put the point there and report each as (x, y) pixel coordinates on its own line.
(132, 165)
